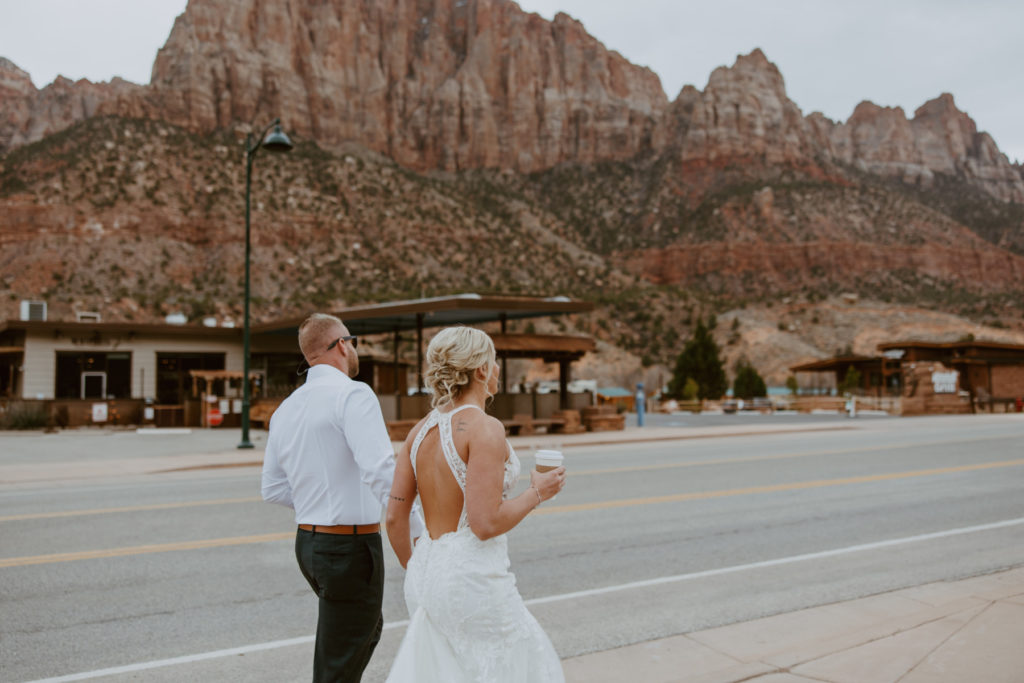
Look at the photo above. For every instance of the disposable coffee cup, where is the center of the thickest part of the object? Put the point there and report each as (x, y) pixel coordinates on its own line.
(548, 460)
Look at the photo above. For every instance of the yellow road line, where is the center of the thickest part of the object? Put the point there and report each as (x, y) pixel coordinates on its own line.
(704, 495)
(143, 549)
(628, 502)
(575, 473)
(133, 508)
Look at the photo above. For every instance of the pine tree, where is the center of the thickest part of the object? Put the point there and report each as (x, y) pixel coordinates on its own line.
(748, 382)
(699, 361)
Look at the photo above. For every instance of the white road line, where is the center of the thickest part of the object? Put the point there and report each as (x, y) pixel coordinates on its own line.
(186, 659)
(780, 561)
(132, 486)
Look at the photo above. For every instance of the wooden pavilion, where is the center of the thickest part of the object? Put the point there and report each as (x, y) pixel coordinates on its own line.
(879, 375)
(396, 318)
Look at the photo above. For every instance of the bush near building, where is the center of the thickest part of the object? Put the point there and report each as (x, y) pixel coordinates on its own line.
(748, 383)
(18, 415)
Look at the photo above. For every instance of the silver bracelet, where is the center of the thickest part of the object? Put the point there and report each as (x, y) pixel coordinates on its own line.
(539, 499)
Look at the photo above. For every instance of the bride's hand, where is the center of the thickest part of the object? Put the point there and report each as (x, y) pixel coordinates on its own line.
(548, 484)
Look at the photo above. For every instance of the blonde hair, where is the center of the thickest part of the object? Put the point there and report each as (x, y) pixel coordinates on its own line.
(452, 356)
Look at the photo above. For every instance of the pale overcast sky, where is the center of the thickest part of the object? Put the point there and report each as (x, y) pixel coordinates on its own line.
(832, 53)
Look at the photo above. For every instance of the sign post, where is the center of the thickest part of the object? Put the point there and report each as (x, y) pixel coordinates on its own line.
(214, 417)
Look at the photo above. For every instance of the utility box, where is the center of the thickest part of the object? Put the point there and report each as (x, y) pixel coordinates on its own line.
(33, 310)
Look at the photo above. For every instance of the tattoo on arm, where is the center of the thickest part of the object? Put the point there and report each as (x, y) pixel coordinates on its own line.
(400, 500)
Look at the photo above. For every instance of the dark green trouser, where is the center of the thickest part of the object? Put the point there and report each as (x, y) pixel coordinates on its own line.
(347, 574)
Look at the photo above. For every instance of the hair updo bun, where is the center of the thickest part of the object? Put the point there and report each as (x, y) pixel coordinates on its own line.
(452, 356)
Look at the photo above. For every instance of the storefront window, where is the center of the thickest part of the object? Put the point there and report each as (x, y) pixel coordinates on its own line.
(97, 374)
(173, 382)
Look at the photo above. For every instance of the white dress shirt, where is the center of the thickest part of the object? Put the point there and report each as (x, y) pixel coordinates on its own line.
(328, 454)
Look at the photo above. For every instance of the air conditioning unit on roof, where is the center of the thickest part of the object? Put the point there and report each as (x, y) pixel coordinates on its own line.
(33, 310)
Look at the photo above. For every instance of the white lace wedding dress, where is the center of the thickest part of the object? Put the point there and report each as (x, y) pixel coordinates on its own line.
(468, 621)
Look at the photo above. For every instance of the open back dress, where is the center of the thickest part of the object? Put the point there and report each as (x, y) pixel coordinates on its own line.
(468, 623)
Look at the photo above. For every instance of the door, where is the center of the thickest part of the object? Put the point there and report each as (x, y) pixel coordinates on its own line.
(94, 385)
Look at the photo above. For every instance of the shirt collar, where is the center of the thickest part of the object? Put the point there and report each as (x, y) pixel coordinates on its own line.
(324, 371)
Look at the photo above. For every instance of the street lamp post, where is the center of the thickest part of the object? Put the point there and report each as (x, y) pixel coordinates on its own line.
(276, 141)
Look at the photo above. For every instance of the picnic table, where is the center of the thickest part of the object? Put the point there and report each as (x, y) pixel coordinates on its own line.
(527, 424)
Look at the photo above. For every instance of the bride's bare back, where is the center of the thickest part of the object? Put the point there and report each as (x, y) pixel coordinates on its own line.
(440, 495)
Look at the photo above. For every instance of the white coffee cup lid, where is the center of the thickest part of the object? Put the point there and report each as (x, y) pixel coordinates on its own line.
(549, 456)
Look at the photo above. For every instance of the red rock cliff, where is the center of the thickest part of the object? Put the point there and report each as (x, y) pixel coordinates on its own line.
(457, 84)
(938, 139)
(28, 114)
(743, 112)
(447, 84)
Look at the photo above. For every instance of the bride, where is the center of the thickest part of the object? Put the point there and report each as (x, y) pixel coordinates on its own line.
(468, 621)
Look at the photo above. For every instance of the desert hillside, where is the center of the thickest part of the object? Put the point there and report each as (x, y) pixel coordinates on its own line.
(450, 146)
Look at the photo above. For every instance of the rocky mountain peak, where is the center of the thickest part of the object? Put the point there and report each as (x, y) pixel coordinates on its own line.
(943, 103)
(744, 112)
(938, 139)
(944, 134)
(868, 111)
(13, 79)
(756, 62)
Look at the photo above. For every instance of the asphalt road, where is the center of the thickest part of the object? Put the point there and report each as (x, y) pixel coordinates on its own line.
(647, 540)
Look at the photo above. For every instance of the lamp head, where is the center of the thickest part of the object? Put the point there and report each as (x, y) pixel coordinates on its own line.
(277, 141)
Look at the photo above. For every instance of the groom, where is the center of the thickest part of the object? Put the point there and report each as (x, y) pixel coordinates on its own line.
(329, 457)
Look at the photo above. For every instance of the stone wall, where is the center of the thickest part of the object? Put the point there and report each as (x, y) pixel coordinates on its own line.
(923, 395)
(1008, 381)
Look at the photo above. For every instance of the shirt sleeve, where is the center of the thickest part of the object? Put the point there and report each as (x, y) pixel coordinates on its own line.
(275, 486)
(363, 425)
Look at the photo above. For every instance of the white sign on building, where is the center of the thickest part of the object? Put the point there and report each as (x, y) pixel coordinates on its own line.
(944, 382)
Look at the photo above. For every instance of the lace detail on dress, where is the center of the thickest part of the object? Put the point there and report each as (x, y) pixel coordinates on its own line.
(427, 426)
(451, 455)
(443, 421)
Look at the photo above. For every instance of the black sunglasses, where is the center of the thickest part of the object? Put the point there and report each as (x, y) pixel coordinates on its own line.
(352, 338)
(303, 367)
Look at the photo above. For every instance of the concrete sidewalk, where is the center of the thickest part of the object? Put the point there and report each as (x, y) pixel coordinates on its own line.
(950, 632)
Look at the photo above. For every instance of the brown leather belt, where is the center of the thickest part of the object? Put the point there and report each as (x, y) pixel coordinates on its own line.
(342, 529)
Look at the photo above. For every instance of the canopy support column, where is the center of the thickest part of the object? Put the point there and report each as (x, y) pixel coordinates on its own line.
(419, 352)
(504, 361)
(394, 364)
(563, 383)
